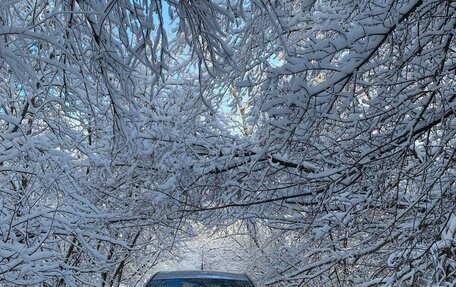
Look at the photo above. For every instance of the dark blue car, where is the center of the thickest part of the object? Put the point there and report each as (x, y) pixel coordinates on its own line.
(199, 279)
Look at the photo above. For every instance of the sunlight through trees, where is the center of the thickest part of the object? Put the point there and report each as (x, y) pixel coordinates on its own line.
(316, 137)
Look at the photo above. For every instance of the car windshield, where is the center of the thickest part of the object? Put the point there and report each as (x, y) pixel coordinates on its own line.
(199, 282)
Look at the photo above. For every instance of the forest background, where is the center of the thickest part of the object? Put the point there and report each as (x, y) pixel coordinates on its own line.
(305, 142)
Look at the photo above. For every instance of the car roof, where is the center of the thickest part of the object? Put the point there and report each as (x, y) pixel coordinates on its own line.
(200, 274)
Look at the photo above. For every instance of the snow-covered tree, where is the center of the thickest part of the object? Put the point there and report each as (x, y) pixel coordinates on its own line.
(350, 155)
(324, 130)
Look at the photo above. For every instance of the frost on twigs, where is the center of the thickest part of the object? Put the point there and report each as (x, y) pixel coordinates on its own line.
(318, 137)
